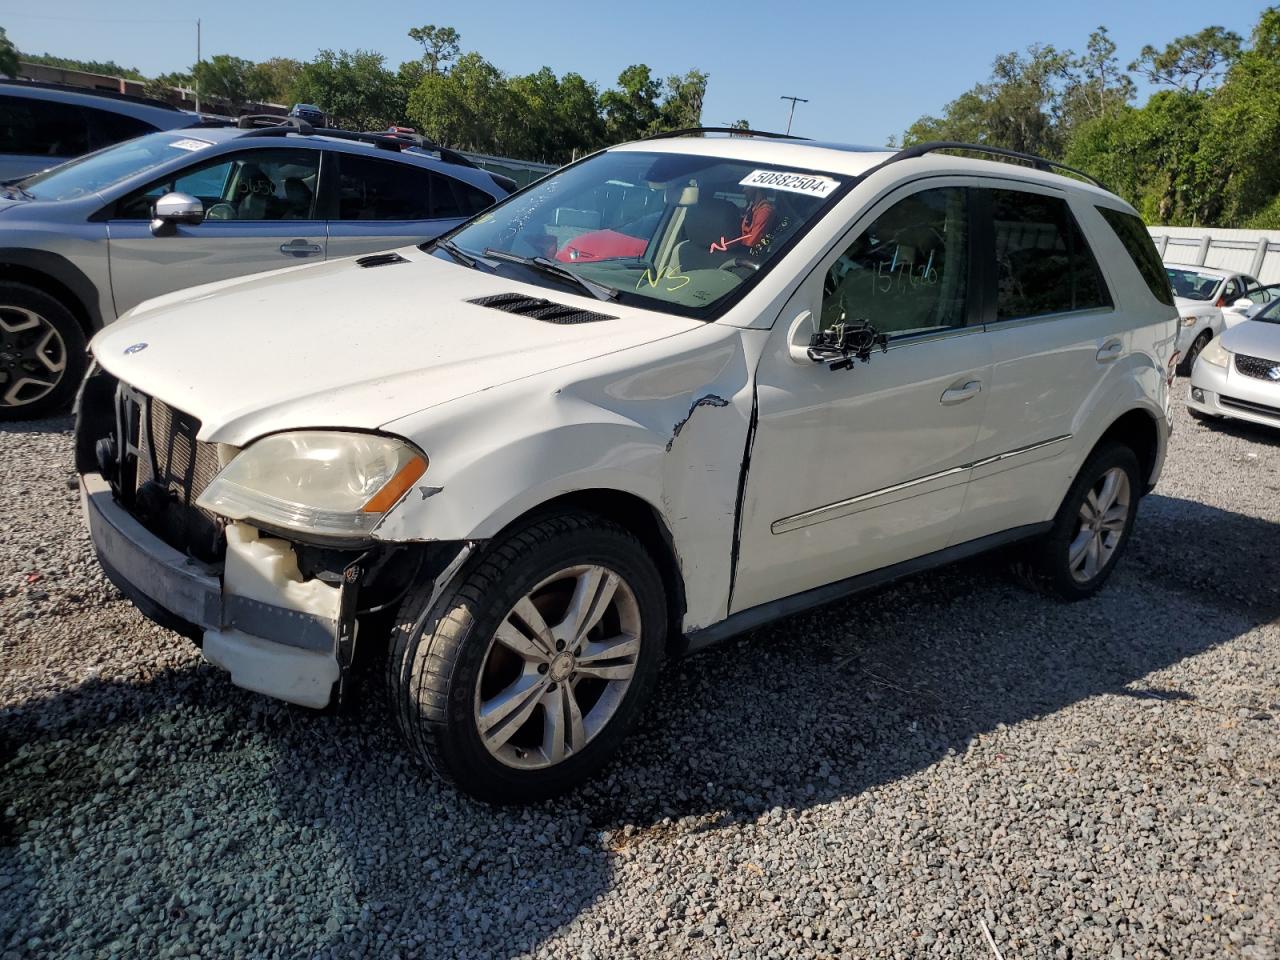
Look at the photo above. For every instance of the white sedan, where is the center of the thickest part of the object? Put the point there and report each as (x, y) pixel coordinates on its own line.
(1202, 295)
(1238, 373)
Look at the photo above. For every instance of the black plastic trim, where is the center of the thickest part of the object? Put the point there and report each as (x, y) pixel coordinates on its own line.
(764, 613)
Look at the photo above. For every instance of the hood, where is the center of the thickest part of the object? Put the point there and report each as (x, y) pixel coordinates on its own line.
(341, 345)
(1195, 308)
(1256, 338)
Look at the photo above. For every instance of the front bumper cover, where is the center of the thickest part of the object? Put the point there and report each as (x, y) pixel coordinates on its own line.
(286, 653)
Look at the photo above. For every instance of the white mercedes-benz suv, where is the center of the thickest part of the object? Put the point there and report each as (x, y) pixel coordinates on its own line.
(672, 391)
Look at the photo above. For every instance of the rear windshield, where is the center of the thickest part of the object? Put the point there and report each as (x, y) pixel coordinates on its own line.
(1133, 233)
(102, 169)
(672, 232)
(1192, 284)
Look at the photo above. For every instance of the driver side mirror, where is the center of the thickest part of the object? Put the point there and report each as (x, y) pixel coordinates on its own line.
(173, 209)
(1244, 303)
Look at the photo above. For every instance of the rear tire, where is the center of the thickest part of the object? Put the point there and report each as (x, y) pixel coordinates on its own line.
(522, 679)
(1197, 345)
(1091, 529)
(42, 354)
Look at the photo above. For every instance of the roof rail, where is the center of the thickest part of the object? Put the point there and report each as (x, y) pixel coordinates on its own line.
(271, 125)
(89, 92)
(732, 131)
(933, 146)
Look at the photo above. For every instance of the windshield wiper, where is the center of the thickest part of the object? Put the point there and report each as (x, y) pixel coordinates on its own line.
(455, 251)
(552, 269)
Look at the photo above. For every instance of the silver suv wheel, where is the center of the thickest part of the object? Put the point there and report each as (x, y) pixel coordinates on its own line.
(558, 666)
(33, 356)
(1104, 514)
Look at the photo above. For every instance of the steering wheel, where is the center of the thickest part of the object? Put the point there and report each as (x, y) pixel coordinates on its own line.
(734, 262)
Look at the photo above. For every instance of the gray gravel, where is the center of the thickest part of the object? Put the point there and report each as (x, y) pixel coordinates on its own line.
(880, 779)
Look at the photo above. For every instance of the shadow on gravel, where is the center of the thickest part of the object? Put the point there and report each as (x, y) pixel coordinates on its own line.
(338, 835)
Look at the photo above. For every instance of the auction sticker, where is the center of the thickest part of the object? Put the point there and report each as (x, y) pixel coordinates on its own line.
(191, 143)
(805, 183)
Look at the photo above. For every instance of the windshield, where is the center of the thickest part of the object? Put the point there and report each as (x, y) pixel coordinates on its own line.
(672, 232)
(100, 170)
(1269, 314)
(1191, 284)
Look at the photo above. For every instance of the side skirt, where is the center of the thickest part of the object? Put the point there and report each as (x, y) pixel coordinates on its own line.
(758, 616)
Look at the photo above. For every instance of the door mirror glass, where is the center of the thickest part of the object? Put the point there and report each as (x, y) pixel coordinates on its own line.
(175, 208)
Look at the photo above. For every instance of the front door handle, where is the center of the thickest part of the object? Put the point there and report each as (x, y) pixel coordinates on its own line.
(961, 394)
(1110, 351)
(301, 248)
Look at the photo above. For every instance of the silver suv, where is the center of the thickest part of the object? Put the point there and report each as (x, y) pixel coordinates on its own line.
(82, 243)
(45, 124)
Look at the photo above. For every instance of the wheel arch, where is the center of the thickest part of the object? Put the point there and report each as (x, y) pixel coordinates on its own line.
(57, 277)
(639, 517)
(1137, 429)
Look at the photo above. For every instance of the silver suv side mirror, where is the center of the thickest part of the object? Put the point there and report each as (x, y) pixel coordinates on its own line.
(175, 208)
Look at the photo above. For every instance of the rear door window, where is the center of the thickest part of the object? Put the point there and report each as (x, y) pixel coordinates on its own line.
(43, 128)
(1043, 263)
(370, 189)
(1135, 237)
(453, 198)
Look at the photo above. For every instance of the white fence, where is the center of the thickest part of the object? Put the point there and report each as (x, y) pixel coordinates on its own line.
(1255, 252)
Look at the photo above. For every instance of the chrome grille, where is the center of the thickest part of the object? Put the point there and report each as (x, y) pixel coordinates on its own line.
(1258, 367)
(171, 455)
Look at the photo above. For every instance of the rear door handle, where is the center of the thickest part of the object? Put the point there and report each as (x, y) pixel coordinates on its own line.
(1109, 351)
(961, 394)
(301, 248)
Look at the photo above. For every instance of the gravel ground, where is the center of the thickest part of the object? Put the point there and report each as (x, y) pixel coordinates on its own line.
(879, 779)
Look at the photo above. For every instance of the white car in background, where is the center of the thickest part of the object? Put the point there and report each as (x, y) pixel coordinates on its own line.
(1202, 294)
(1238, 373)
(1255, 300)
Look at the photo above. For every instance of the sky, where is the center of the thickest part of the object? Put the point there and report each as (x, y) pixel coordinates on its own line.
(867, 70)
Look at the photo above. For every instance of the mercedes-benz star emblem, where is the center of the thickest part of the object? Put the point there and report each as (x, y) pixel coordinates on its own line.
(134, 348)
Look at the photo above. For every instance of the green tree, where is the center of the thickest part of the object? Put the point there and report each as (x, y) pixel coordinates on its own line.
(273, 81)
(1190, 62)
(224, 77)
(1019, 107)
(8, 55)
(1096, 83)
(163, 86)
(681, 105)
(108, 68)
(440, 45)
(631, 110)
(353, 87)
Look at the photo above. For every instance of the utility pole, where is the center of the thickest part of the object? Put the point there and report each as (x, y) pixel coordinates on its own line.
(794, 101)
(195, 81)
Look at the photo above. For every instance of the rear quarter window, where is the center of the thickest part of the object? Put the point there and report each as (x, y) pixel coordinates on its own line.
(1133, 234)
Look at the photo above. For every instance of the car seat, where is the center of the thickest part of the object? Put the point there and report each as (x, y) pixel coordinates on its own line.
(706, 222)
(297, 199)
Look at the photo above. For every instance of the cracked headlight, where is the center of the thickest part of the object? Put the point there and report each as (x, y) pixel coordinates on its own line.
(1215, 353)
(325, 483)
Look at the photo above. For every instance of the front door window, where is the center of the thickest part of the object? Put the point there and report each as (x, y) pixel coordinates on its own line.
(908, 272)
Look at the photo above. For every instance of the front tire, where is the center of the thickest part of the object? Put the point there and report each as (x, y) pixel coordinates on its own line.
(1193, 351)
(524, 677)
(1091, 528)
(42, 354)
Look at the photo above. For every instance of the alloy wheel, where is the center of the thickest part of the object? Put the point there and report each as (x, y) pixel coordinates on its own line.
(33, 356)
(1103, 516)
(558, 667)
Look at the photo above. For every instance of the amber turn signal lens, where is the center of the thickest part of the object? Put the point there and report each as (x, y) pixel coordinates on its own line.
(385, 499)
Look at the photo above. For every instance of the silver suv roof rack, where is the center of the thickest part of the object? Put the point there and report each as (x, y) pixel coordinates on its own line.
(732, 131)
(934, 146)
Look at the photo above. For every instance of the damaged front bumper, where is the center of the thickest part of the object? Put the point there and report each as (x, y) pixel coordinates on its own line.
(276, 633)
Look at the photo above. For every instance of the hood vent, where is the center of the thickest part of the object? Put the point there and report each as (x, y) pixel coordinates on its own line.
(380, 260)
(539, 309)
